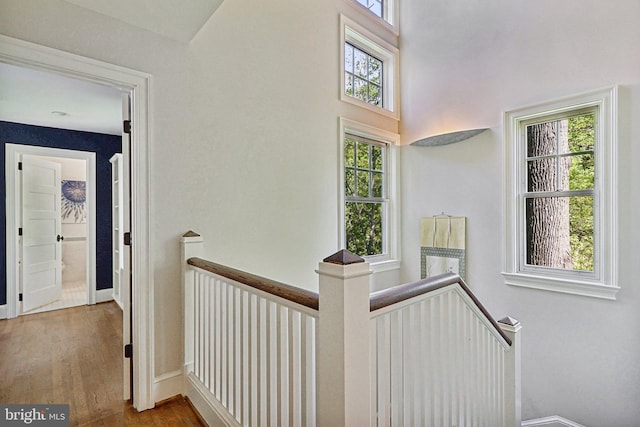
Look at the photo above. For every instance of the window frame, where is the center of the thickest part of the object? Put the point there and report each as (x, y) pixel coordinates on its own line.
(389, 18)
(366, 41)
(390, 258)
(602, 282)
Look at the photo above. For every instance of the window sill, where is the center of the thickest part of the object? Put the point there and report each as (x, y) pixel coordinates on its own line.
(374, 20)
(553, 284)
(387, 265)
(374, 108)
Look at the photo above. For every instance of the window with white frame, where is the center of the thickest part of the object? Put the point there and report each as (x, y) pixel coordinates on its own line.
(384, 9)
(368, 189)
(368, 70)
(560, 197)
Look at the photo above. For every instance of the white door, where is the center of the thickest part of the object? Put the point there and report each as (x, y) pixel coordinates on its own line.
(41, 233)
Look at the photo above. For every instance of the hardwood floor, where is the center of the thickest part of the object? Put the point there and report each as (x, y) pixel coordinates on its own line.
(73, 356)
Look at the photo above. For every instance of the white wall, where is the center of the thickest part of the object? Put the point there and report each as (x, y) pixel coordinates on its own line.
(463, 65)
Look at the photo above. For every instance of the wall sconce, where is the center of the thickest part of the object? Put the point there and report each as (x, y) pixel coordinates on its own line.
(447, 138)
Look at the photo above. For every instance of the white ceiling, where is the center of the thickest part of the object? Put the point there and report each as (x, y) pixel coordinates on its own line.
(176, 19)
(30, 96)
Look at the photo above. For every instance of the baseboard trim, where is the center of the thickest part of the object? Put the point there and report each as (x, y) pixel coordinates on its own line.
(3, 311)
(206, 405)
(553, 421)
(104, 295)
(167, 386)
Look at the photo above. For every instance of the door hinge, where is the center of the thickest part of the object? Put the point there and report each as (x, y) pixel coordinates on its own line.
(127, 239)
(20, 297)
(128, 351)
(126, 126)
(20, 231)
(19, 166)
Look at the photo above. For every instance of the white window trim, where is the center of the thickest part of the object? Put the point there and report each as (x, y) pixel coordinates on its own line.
(603, 283)
(365, 40)
(389, 23)
(390, 260)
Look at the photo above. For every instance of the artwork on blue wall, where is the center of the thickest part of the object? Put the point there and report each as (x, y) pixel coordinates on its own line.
(74, 202)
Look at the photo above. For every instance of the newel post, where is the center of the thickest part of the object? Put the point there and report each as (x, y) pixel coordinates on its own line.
(343, 373)
(191, 245)
(512, 374)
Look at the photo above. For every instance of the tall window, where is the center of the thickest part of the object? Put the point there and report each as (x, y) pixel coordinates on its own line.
(560, 195)
(365, 195)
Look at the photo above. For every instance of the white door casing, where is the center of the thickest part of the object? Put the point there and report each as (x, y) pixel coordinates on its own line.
(41, 232)
(31, 55)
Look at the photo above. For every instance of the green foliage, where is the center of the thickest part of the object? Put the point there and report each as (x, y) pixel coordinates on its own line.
(363, 75)
(581, 177)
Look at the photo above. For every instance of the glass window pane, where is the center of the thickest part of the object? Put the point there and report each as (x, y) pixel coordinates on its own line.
(363, 184)
(581, 172)
(349, 152)
(348, 84)
(363, 228)
(377, 185)
(375, 71)
(541, 175)
(376, 158)
(542, 139)
(348, 58)
(582, 133)
(560, 232)
(363, 155)
(360, 89)
(375, 95)
(349, 182)
(360, 63)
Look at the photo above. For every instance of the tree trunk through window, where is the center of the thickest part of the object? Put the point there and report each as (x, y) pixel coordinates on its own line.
(547, 218)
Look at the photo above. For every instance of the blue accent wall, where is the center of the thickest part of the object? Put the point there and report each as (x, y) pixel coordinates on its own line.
(105, 146)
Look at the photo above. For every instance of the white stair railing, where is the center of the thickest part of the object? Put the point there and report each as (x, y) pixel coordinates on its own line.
(421, 354)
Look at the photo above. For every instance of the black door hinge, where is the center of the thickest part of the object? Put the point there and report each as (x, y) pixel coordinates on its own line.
(20, 231)
(128, 351)
(19, 166)
(127, 239)
(126, 126)
(20, 297)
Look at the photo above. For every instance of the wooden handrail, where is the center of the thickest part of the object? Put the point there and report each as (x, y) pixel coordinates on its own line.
(290, 293)
(396, 294)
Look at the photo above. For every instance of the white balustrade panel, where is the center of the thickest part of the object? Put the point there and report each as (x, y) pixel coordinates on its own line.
(436, 361)
(254, 352)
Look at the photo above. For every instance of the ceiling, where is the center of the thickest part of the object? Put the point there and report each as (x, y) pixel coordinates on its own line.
(177, 19)
(47, 99)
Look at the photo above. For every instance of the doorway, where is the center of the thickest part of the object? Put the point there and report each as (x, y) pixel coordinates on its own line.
(137, 84)
(77, 244)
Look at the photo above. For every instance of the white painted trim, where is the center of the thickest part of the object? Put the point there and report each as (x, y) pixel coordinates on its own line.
(603, 282)
(167, 385)
(13, 153)
(104, 295)
(30, 55)
(3, 311)
(207, 406)
(553, 421)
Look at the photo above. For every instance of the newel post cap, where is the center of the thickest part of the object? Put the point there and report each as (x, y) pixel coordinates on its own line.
(343, 265)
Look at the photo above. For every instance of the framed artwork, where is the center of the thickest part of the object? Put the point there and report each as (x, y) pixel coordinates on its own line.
(443, 245)
(74, 202)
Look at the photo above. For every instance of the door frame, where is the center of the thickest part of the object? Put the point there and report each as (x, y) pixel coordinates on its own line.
(13, 153)
(30, 55)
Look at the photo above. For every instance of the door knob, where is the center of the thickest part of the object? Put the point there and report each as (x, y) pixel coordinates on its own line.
(59, 238)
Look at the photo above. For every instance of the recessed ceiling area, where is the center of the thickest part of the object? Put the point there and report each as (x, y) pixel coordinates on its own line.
(42, 98)
(178, 20)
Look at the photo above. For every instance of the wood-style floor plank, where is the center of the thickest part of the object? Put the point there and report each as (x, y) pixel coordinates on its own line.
(73, 356)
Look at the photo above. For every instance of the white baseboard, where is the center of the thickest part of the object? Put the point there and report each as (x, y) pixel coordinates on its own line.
(3, 311)
(104, 295)
(553, 421)
(167, 385)
(207, 406)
